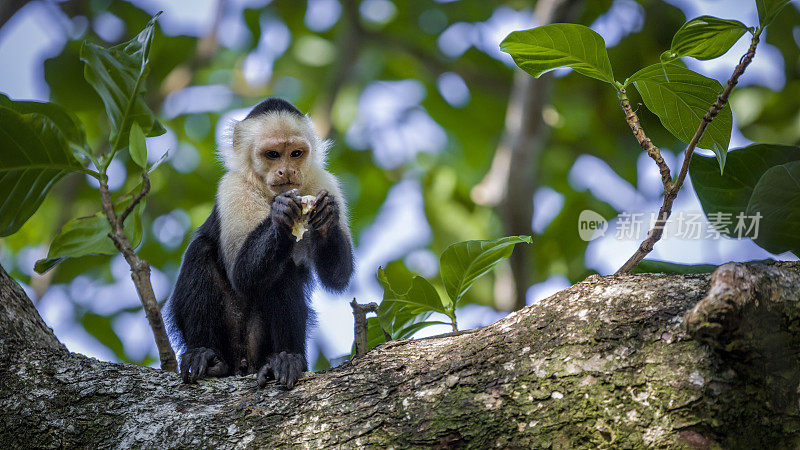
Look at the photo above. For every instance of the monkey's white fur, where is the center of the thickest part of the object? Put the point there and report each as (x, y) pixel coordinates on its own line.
(244, 198)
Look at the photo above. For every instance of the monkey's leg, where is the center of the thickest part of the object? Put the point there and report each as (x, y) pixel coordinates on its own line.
(198, 306)
(286, 317)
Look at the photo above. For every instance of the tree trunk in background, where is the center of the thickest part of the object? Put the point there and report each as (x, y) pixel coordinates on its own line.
(608, 362)
(513, 178)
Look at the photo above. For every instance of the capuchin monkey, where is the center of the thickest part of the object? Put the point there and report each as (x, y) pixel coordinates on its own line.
(240, 304)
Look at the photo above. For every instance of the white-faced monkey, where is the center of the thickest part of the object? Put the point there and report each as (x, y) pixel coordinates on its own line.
(240, 304)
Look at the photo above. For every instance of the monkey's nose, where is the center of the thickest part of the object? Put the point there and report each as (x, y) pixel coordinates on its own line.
(279, 172)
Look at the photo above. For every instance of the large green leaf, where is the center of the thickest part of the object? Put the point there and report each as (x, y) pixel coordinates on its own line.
(680, 98)
(407, 299)
(726, 196)
(776, 198)
(462, 263)
(549, 47)
(768, 9)
(89, 236)
(117, 74)
(33, 156)
(66, 122)
(705, 37)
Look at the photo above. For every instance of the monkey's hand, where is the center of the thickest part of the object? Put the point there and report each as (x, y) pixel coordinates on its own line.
(197, 363)
(286, 210)
(325, 214)
(284, 367)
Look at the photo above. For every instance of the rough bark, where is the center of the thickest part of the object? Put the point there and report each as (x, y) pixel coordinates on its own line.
(608, 362)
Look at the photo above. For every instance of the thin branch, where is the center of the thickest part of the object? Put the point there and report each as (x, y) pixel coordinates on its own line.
(360, 325)
(137, 199)
(140, 273)
(670, 194)
(722, 99)
(644, 141)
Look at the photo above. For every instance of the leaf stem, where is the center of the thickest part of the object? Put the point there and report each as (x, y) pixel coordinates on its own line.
(671, 193)
(453, 319)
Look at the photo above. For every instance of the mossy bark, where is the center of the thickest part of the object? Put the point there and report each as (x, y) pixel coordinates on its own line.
(609, 363)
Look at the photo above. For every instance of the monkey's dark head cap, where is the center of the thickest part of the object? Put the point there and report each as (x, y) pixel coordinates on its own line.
(271, 105)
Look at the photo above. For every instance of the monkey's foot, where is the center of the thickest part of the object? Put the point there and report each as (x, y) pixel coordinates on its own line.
(284, 367)
(197, 363)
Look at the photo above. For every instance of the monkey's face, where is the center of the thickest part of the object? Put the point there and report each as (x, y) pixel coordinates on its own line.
(281, 163)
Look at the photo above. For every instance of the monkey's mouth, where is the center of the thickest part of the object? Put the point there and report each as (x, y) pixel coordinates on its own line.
(285, 186)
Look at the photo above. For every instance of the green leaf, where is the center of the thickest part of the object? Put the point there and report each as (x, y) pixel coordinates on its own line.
(321, 363)
(728, 195)
(653, 266)
(549, 47)
(138, 146)
(768, 9)
(406, 301)
(33, 156)
(680, 98)
(776, 198)
(89, 236)
(706, 37)
(117, 74)
(67, 123)
(462, 263)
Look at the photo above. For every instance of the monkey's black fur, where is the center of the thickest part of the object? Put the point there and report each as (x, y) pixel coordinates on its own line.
(255, 321)
(273, 104)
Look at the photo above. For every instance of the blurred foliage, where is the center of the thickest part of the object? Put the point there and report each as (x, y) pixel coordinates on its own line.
(585, 118)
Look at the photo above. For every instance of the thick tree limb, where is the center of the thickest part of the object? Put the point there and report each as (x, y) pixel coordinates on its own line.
(606, 363)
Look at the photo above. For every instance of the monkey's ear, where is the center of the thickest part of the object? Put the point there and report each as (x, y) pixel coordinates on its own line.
(237, 137)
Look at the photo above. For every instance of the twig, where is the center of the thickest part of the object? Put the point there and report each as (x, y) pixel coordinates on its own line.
(360, 325)
(670, 194)
(137, 199)
(140, 273)
(644, 141)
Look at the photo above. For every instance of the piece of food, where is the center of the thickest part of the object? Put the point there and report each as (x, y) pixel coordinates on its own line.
(301, 226)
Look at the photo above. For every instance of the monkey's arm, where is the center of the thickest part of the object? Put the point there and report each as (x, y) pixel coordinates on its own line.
(197, 312)
(266, 251)
(332, 247)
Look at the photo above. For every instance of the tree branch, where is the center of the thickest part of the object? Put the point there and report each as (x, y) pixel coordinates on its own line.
(140, 272)
(665, 211)
(360, 325)
(145, 190)
(623, 375)
(644, 141)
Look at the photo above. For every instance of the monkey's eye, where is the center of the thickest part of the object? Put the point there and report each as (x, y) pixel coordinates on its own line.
(296, 153)
(272, 154)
